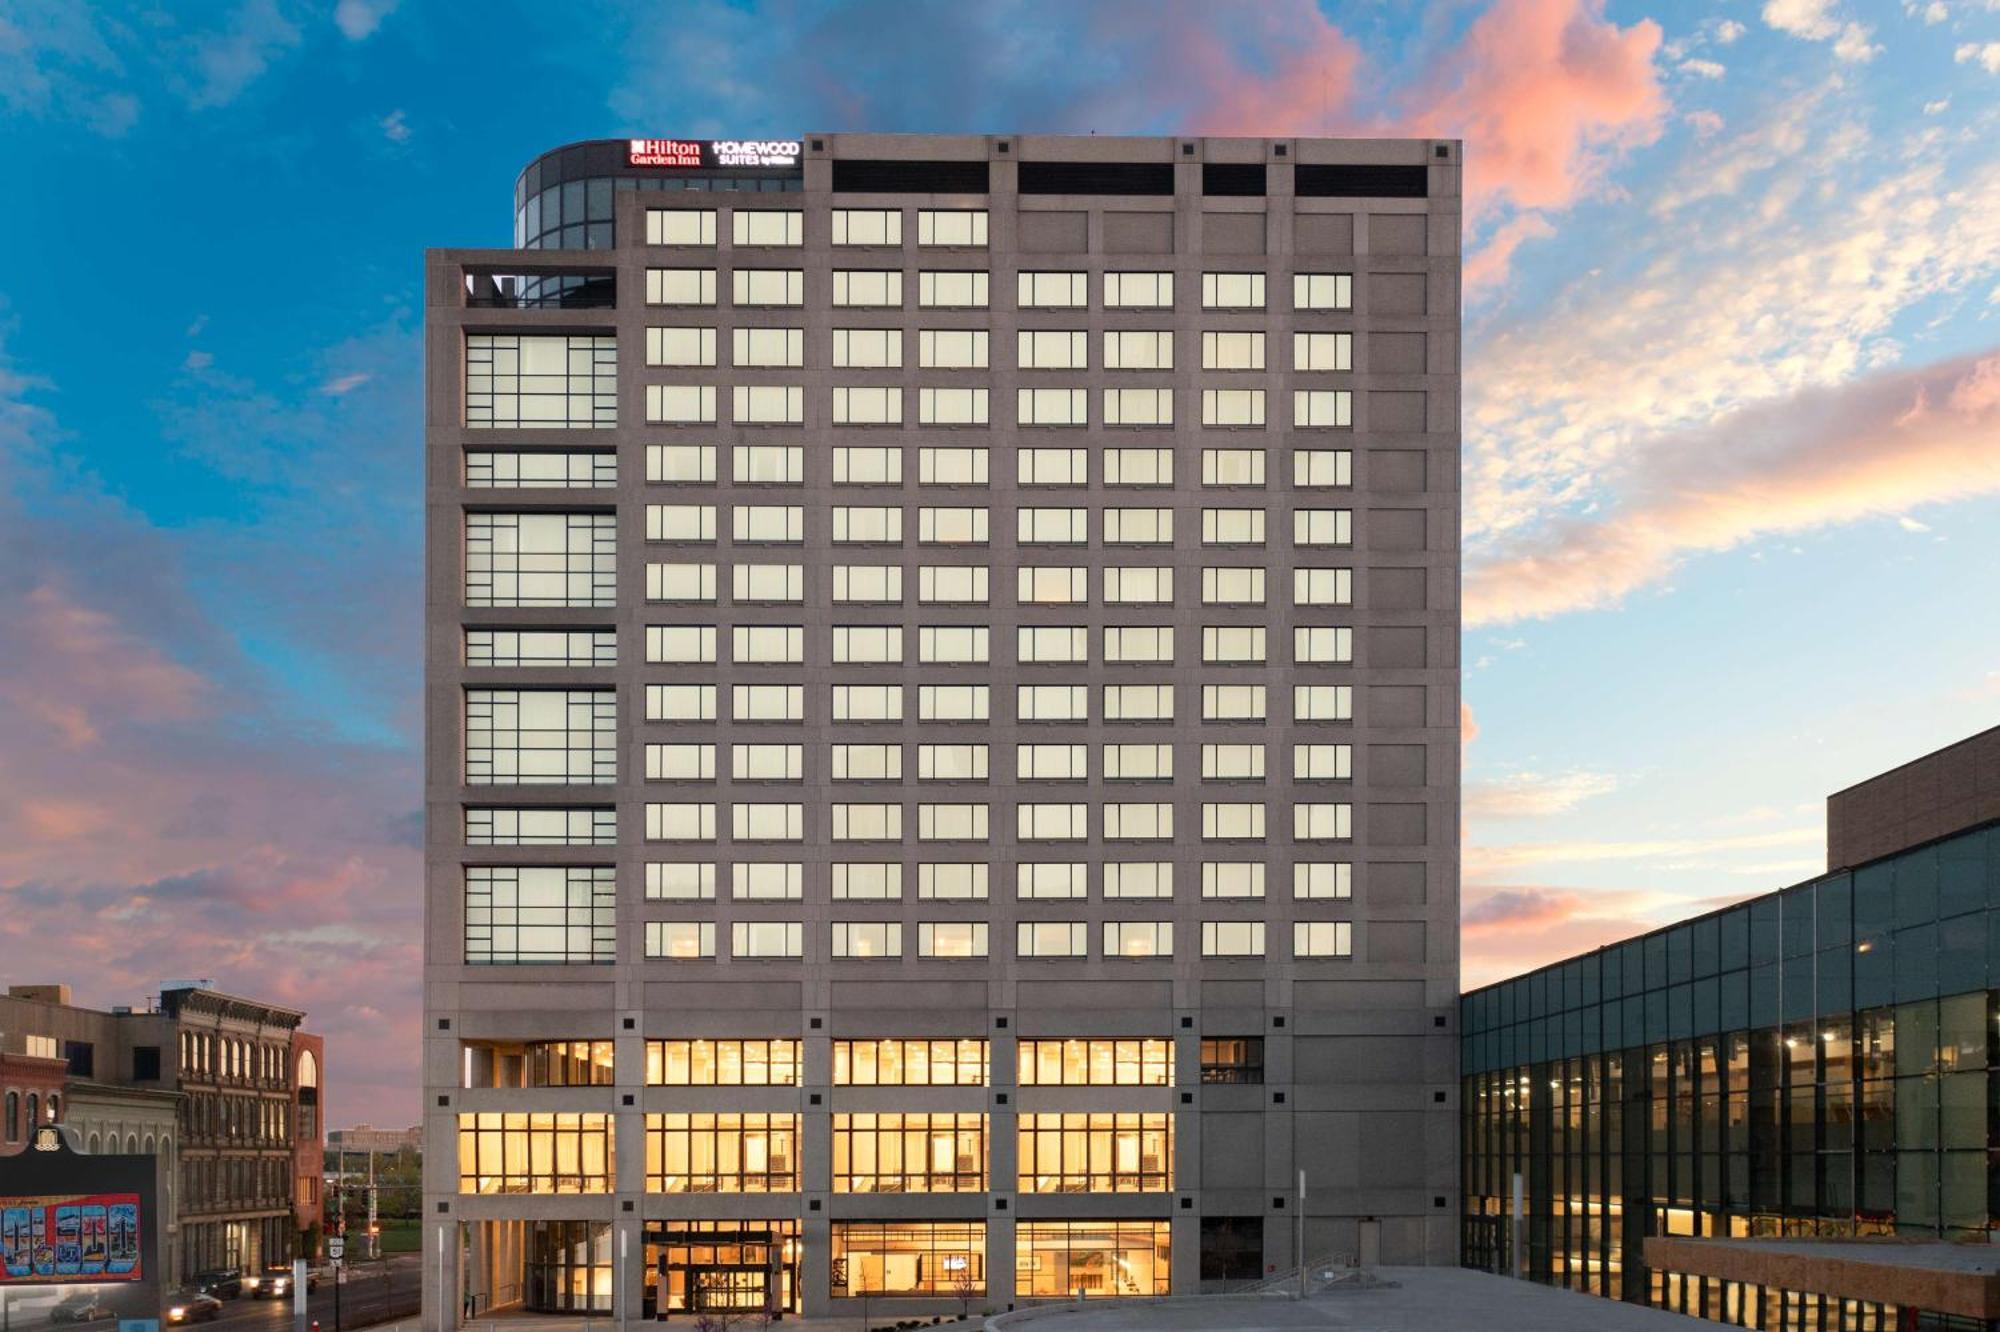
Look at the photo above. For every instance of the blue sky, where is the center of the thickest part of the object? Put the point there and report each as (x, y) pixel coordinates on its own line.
(1732, 416)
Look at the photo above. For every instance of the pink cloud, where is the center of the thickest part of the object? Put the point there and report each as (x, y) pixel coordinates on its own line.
(1305, 72)
(1487, 267)
(1875, 446)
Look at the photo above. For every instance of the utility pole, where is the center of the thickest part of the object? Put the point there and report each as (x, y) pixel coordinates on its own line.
(1302, 1233)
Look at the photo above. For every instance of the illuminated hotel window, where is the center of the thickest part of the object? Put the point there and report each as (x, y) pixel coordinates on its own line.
(1138, 1062)
(680, 226)
(867, 349)
(894, 1062)
(722, 1063)
(1096, 1153)
(534, 1153)
(680, 940)
(909, 1153)
(1232, 291)
(517, 914)
(1138, 291)
(867, 226)
(765, 348)
(964, 228)
(1322, 291)
(569, 1064)
(1237, 1059)
(722, 1153)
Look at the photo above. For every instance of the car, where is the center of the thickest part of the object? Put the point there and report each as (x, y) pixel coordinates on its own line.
(225, 1283)
(193, 1306)
(276, 1282)
(83, 1307)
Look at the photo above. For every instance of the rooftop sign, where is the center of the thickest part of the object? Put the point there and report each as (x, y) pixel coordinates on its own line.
(713, 152)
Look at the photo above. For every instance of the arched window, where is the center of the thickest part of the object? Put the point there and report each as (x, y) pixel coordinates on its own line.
(131, 1143)
(13, 1116)
(308, 1069)
(34, 1111)
(92, 1145)
(55, 1108)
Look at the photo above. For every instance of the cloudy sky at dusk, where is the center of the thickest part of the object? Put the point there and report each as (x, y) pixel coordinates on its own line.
(1732, 418)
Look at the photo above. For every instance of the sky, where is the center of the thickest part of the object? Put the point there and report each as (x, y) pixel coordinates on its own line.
(1732, 418)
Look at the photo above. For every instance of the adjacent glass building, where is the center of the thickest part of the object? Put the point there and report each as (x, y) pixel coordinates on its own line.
(942, 707)
(1821, 1061)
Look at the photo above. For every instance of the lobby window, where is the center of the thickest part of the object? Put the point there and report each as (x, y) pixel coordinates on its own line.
(1322, 879)
(1321, 703)
(1138, 644)
(1053, 291)
(1138, 291)
(678, 464)
(680, 286)
(680, 940)
(570, 1064)
(1052, 406)
(1233, 408)
(1322, 822)
(680, 881)
(1232, 467)
(1060, 1259)
(951, 938)
(868, 881)
(1130, 880)
(1138, 349)
(1322, 645)
(535, 1153)
(1125, 762)
(1138, 406)
(866, 763)
(1051, 939)
(961, 228)
(1322, 351)
(680, 226)
(953, 882)
(867, 349)
(538, 825)
(767, 226)
(533, 737)
(860, 288)
(1232, 291)
(526, 914)
(768, 464)
(867, 226)
(1096, 1153)
(1065, 467)
(1323, 469)
(722, 1153)
(869, 465)
(1232, 938)
(541, 559)
(1051, 880)
(767, 939)
(760, 348)
(1137, 939)
(866, 939)
(1232, 351)
(541, 647)
(526, 381)
(705, 1062)
(952, 289)
(951, 467)
(680, 347)
(1322, 938)
(1328, 409)
(508, 469)
(952, 406)
(941, 1258)
(909, 1153)
(1322, 291)
(1233, 879)
(1232, 1059)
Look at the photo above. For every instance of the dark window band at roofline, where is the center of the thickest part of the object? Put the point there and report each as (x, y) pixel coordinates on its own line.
(1153, 178)
(1341, 181)
(1241, 179)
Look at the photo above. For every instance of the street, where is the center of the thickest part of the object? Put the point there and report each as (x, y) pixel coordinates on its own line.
(373, 1293)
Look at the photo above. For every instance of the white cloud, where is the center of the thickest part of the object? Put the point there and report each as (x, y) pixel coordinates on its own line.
(1933, 13)
(1939, 106)
(1706, 124)
(395, 126)
(1816, 21)
(358, 19)
(227, 61)
(1707, 69)
(340, 384)
(1909, 524)
(1525, 795)
(1727, 31)
(1985, 54)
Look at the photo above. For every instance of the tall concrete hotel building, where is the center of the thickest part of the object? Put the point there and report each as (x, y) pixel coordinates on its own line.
(943, 723)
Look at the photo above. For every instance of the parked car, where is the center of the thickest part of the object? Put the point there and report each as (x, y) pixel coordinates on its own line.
(276, 1282)
(193, 1306)
(83, 1307)
(225, 1283)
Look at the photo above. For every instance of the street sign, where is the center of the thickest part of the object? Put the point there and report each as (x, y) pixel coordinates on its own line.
(336, 1248)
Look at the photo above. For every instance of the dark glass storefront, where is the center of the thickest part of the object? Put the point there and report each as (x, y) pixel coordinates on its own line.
(569, 1267)
(1823, 1061)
